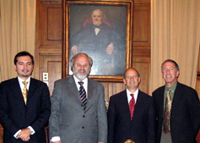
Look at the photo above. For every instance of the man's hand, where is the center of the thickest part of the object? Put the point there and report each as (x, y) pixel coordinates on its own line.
(24, 134)
(100, 142)
(57, 142)
(74, 49)
(25, 139)
(110, 49)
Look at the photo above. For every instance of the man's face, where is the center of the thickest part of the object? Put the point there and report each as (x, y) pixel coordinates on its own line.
(81, 67)
(170, 73)
(24, 67)
(96, 17)
(131, 80)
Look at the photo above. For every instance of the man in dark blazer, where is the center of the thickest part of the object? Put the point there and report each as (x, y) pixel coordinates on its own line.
(141, 128)
(185, 110)
(24, 119)
(71, 120)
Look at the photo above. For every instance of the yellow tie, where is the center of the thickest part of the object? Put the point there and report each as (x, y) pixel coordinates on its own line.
(25, 91)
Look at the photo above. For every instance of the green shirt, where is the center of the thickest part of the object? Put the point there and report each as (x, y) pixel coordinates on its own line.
(172, 90)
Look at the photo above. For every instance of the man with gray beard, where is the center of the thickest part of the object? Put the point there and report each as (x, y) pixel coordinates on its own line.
(78, 113)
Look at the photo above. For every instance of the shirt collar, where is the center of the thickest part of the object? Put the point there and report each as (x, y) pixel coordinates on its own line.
(85, 81)
(21, 80)
(135, 95)
(172, 88)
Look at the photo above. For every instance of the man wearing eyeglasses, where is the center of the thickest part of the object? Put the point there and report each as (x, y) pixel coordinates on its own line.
(131, 113)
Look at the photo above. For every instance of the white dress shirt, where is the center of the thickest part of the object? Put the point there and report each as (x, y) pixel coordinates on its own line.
(96, 30)
(85, 84)
(129, 96)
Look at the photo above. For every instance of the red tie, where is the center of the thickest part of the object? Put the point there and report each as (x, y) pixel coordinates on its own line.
(132, 106)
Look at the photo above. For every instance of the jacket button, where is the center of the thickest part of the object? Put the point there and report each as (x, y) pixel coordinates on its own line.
(82, 127)
(83, 116)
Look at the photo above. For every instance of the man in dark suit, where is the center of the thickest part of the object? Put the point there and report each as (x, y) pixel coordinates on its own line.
(23, 116)
(135, 122)
(179, 123)
(102, 43)
(78, 118)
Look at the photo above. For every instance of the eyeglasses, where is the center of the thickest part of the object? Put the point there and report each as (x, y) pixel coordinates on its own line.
(133, 76)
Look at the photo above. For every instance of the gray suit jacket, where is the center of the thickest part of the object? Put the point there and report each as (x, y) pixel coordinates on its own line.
(69, 121)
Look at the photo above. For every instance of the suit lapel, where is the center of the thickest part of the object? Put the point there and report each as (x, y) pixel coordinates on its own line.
(123, 106)
(160, 97)
(17, 90)
(16, 87)
(177, 92)
(177, 97)
(138, 104)
(91, 89)
(124, 102)
(91, 92)
(73, 89)
(32, 88)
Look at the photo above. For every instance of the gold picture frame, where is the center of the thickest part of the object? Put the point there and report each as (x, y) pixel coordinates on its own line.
(119, 15)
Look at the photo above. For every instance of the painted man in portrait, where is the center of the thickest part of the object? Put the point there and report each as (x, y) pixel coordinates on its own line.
(98, 39)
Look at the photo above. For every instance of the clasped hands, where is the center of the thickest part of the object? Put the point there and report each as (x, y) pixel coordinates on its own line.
(24, 134)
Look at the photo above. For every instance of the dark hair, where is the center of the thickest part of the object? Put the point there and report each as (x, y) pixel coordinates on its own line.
(172, 61)
(23, 53)
(133, 69)
(71, 63)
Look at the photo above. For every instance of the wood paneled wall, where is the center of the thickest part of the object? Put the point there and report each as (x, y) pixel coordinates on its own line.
(49, 41)
(48, 57)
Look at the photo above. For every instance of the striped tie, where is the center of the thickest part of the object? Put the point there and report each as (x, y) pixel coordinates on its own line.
(82, 95)
(25, 91)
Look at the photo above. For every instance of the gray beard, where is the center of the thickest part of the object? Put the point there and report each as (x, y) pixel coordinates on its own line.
(81, 77)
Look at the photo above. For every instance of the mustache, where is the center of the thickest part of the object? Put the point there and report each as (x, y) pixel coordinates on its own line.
(81, 70)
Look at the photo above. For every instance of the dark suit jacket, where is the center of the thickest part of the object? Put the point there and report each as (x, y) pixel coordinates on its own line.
(15, 115)
(95, 46)
(140, 129)
(87, 40)
(185, 114)
(68, 119)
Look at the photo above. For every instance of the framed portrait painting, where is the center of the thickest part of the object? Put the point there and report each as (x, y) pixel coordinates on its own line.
(102, 30)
